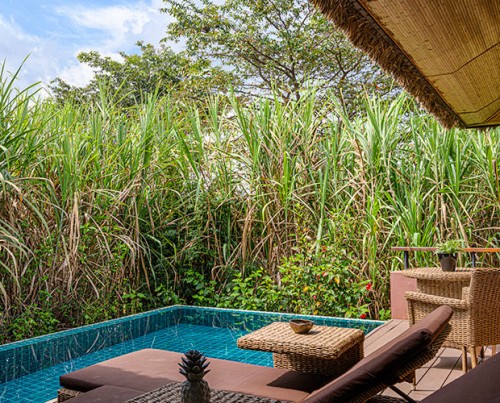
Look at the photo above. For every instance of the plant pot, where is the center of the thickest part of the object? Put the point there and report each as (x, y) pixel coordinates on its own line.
(448, 261)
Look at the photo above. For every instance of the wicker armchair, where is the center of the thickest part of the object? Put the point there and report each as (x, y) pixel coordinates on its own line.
(476, 319)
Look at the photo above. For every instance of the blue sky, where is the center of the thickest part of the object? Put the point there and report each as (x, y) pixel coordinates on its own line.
(53, 32)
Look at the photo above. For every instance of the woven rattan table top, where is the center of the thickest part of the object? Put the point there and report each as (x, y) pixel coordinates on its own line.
(435, 273)
(171, 392)
(326, 342)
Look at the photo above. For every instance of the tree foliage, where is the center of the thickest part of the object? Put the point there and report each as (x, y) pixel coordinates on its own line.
(257, 47)
(152, 70)
(282, 43)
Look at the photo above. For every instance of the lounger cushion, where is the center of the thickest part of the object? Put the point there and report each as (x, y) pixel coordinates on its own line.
(480, 384)
(149, 369)
(380, 366)
(107, 394)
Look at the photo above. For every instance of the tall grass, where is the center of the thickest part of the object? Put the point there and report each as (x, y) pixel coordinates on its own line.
(101, 204)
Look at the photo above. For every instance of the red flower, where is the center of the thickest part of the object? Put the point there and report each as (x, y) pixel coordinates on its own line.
(369, 286)
(325, 274)
(362, 316)
(314, 296)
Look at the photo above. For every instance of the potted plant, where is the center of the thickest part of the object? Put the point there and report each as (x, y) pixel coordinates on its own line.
(447, 253)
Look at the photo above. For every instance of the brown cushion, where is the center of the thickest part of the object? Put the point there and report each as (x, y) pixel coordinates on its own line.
(149, 369)
(478, 385)
(380, 367)
(107, 394)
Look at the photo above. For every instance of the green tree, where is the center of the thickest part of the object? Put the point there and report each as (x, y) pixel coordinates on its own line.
(152, 70)
(282, 43)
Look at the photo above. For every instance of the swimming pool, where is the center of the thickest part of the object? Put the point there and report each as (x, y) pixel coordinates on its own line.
(30, 369)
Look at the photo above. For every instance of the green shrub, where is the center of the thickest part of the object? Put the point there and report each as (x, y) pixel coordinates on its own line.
(33, 321)
(327, 282)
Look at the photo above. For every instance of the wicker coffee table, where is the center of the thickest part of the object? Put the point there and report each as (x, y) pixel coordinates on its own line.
(171, 392)
(324, 350)
(434, 281)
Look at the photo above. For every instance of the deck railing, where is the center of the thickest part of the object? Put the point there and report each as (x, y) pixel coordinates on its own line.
(472, 251)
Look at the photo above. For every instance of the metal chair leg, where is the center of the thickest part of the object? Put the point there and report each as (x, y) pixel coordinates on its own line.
(402, 394)
(481, 354)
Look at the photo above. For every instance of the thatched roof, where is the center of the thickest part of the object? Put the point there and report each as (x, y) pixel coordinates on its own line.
(445, 53)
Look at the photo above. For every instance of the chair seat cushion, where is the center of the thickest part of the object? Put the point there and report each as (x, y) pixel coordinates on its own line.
(381, 366)
(149, 369)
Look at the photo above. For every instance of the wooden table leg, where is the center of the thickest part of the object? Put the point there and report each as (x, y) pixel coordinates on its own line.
(464, 359)
(473, 356)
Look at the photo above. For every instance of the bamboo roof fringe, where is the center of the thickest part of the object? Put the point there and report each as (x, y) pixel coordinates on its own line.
(445, 53)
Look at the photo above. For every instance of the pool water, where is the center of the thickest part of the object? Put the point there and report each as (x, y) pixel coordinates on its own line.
(30, 369)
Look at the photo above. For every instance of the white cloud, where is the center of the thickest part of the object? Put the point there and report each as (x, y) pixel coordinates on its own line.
(77, 74)
(10, 30)
(107, 29)
(80, 74)
(16, 44)
(120, 25)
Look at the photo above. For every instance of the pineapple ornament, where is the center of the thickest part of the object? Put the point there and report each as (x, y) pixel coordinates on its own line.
(194, 367)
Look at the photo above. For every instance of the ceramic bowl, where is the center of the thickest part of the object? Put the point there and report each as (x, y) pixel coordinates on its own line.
(301, 326)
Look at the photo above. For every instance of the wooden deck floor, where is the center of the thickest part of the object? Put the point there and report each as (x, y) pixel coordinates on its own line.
(443, 369)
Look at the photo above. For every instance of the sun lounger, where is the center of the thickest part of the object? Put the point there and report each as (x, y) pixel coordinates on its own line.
(480, 384)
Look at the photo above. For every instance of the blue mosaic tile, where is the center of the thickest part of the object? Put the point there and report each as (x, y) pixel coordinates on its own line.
(40, 361)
